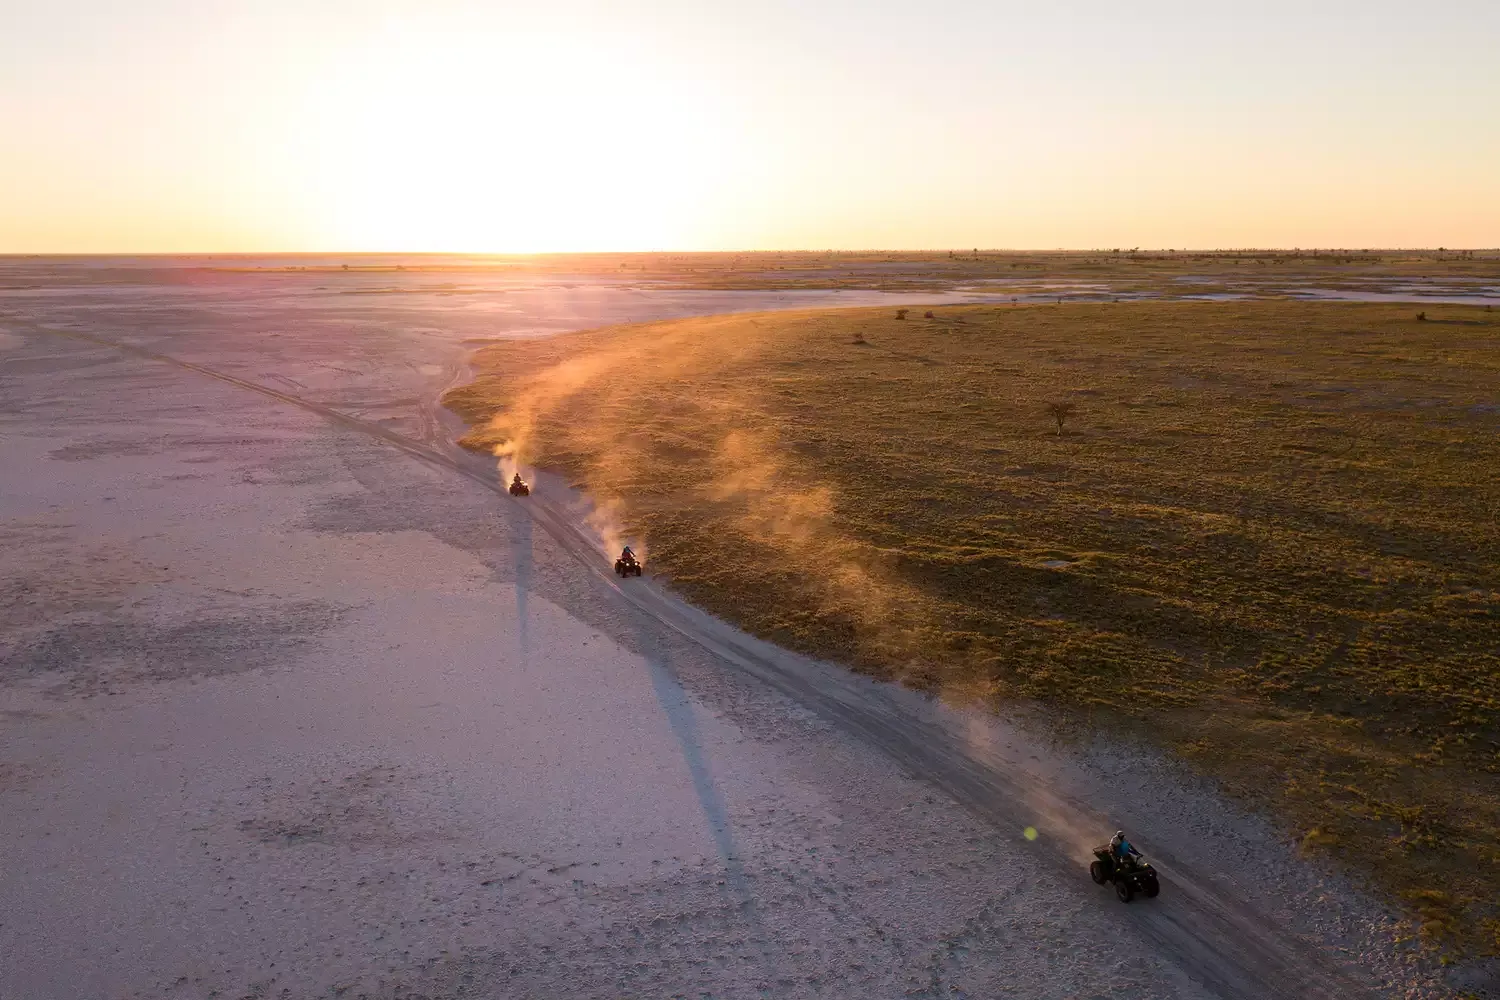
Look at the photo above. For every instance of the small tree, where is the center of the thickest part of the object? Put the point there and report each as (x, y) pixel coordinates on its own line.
(1060, 412)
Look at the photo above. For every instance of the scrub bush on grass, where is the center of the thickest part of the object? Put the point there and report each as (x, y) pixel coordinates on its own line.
(1268, 538)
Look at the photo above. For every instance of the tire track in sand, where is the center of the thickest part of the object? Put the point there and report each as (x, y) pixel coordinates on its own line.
(1230, 948)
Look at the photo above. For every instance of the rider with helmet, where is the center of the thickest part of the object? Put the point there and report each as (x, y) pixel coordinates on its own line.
(1119, 848)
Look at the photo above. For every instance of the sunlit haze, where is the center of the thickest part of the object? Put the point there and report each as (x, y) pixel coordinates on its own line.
(179, 125)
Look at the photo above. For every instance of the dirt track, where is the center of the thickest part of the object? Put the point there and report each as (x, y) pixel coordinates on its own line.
(296, 700)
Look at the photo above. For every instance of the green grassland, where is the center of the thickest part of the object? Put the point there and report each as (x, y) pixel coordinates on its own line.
(1265, 536)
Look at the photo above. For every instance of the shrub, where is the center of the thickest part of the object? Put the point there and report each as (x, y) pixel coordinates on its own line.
(1060, 412)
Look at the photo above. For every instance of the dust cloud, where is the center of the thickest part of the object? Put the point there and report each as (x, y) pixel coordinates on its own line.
(655, 418)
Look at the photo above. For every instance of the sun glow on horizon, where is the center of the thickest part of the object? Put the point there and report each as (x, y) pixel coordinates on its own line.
(496, 126)
(424, 140)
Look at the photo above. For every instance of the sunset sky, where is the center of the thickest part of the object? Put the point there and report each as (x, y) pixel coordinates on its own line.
(195, 125)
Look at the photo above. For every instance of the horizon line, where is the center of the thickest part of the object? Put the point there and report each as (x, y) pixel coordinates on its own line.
(4, 254)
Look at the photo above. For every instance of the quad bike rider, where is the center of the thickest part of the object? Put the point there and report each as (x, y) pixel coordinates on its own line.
(518, 487)
(1122, 864)
(627, 565)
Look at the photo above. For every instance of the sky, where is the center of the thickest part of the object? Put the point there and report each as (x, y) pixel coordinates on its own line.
(160, 126)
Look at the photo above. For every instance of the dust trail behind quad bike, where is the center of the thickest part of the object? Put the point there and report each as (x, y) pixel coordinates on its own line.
(1228, 945)
(776, 509)
(1231, 947)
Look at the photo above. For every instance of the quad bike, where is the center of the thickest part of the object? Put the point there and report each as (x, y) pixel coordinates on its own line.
(1132, 875)
(627, 566)
(519, 489)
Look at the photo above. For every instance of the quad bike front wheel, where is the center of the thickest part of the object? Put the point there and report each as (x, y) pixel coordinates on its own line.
(1152, 887)
(1124, 891)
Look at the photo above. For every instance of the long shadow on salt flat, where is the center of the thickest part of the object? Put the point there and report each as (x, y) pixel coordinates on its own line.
(523, 561)
(678, 708)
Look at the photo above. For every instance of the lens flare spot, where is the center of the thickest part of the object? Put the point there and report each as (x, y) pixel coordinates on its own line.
(1029, 833)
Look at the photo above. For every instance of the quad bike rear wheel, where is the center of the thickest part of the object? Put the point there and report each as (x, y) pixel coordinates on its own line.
(1096, 872)
(1124, 891)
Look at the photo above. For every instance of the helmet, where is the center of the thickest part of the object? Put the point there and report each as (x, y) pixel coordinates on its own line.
(1119, 833)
